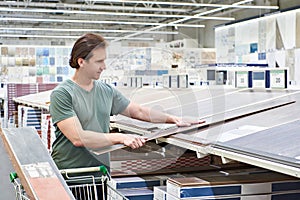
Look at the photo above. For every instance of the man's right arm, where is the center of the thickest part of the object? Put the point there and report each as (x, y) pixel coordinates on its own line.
(72, 129)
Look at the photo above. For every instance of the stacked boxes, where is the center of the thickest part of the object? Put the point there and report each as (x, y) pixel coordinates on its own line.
(134, 194)
(175, 81)
(262, 78)
(137, 182)
(160, 193)
(135, 187)
(266, 186)
(28, 116)
(135, 82)
(14, 90)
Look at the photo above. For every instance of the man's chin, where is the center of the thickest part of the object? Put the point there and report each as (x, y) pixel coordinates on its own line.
(97, 77)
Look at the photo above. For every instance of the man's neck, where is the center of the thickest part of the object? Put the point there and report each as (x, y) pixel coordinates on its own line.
(86, 84)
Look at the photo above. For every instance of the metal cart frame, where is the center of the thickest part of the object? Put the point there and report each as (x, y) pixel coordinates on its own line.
(81, 191)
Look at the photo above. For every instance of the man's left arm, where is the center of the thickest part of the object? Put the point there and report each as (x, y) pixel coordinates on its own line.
(143, 113)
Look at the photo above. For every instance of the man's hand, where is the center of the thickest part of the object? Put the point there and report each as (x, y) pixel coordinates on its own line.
(181, 122)
(133, 141)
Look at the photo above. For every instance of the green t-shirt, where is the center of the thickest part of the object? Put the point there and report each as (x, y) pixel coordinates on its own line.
(93, 110)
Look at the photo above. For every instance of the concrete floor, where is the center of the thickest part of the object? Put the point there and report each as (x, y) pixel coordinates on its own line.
(7, 191)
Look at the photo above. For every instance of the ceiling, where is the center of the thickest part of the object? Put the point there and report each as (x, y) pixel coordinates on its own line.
(120, 19)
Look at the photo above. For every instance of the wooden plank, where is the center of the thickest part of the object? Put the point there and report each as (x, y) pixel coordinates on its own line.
(234, 114)
(37, 171)
(279, 143)
(215, 120)
(151, 135)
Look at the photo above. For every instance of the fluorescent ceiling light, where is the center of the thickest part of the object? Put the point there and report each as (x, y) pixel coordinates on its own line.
(189, 4)
(98, 22)
(68, 37)
(88, 30)
(185, 19)
(223, 8)
(4, 9)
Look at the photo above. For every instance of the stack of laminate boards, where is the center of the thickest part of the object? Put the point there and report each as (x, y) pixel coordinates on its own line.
(226, 185)
(34, 117)
(28, 116)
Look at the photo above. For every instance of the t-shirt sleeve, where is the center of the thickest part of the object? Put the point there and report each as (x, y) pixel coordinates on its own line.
(60, 106)
(120, 102)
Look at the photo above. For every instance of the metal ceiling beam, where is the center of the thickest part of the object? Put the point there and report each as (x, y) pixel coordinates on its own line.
(188, 4)
(66, 37)
(84, 30)
(98, 22)
(12, 4)
(5, 9)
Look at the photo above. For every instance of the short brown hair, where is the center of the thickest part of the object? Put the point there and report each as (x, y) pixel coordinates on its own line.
(84, 46)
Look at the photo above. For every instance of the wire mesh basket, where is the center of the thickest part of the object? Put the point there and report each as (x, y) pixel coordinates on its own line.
(83, 187)
(19, 190)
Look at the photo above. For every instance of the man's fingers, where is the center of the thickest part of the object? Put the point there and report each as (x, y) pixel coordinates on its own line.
(189, 123)
(199, 122)
(181, 123)
(138, 142)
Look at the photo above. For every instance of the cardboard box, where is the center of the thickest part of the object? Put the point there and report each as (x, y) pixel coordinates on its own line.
(282, 196)
(136, 182)
(160, 193)
(236, 185)
(137, 193)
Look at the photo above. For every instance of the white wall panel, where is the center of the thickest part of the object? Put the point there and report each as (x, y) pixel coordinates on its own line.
(296, 77)
(271, 59)
(262, 35)
(298, 30)
(280, 58)
(287, 29)
(271, 33)
(225, 44)
(290, 62)
(246, 33)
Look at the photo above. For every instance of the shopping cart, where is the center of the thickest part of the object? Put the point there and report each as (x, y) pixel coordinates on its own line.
(20, 192)
(83, 187)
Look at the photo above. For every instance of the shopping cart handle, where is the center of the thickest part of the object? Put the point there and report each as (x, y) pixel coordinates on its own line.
(100, 168)
(103, 169)
(13, 176)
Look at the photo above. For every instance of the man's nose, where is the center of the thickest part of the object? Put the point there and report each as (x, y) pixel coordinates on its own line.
(103, 66)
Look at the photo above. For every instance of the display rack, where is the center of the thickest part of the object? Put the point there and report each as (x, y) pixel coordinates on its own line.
(225, 113)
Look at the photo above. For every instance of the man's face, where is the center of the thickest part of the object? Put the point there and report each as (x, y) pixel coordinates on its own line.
(96, 64)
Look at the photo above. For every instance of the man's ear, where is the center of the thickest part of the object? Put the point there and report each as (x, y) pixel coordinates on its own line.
(80, 61)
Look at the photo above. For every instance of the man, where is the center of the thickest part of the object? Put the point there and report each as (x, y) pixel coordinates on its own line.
(81, 108)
